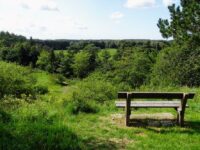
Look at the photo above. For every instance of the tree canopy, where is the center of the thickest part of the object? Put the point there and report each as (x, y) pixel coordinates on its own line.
(184, 23)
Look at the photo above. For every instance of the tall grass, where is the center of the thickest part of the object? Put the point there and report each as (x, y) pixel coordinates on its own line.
(47, 123)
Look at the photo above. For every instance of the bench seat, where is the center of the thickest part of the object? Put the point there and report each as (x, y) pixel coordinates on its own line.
(150, 104)
(175, 100)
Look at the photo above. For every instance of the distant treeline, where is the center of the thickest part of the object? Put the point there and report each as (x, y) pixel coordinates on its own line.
(129, 62)
(8, 40)
(80, 44)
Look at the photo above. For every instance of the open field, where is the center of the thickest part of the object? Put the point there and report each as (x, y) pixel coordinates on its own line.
(47, 124)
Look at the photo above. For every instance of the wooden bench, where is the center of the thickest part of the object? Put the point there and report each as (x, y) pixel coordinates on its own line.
(172, 100)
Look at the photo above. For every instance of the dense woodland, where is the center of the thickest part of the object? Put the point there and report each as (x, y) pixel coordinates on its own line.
(48, 86)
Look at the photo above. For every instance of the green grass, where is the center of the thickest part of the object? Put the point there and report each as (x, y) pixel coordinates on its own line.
(64, 51)
(112, 51)
(46, 123)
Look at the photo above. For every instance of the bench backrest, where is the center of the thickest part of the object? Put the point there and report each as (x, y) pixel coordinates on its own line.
(156, 95)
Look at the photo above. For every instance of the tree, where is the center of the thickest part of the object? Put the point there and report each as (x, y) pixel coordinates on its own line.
(34, 53)
(133, 69)
(52, 60)
(179, 63)
(81, 64)
(65, 61)
(184, 24)
(92, 50)
(43, 61)
(24, 57)
(10, 55)
(105, 61)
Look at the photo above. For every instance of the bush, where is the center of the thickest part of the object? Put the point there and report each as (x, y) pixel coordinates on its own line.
(60, 79)
(89, 95)
(81, 64)
(40, 89)
(80, 104)
(17, 81)
(133, 69)
(4, 117)
(177, 66)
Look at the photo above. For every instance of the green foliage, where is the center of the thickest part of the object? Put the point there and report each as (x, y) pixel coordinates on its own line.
(79, 103)
(43, 61)
(133, 68)
(81, 64)
(184, 24)
(60, 79)
(64, 63)
(105, 60)
(177, 66)
(47, 123)
(10, 55)
(93, 51)
(89, 95)
(22, 53)
(39, 137)
(41, 89)
(16, 80)
(4, 117)
(8, 40)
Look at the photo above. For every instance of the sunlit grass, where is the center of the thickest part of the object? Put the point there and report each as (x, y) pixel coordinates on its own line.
(46, 123)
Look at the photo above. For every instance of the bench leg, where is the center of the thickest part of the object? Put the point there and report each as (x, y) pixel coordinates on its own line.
(181, 118)
(128, 110)
(177, 120)
(181, 111)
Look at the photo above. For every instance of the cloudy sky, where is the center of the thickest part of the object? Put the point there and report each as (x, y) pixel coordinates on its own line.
(84, 19)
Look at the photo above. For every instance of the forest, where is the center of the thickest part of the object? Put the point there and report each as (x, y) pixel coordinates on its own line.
(60, 94)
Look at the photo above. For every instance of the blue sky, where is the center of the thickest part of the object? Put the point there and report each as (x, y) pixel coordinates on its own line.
(84, 19)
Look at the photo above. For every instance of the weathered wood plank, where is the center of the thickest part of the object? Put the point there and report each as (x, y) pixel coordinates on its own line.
(182, 111)
(150, 104)
(128, 109)
(158, 95)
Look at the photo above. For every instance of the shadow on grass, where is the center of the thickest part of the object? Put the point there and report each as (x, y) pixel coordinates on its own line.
(167, 126)
(103, 144)
(152, 123)
(40, 137)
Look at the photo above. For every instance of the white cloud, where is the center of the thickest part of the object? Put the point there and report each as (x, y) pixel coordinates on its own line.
(50, 6)
(117, 15)
(25, 6)
(80, 26)
(168, 2)
(139, 3)
(43, 28)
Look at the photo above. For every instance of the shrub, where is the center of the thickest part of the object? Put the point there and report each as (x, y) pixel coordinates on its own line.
(4, 117)
(40, 89)
(81, 64)
(80, 104)
(133, 69)
(16, 80)
(60, 79)
(177, 66)
(89, 94)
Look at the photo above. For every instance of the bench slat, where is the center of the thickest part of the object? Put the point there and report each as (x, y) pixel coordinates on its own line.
(159, 95)
(150, 104)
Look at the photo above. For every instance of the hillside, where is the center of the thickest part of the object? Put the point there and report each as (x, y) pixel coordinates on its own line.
(49, 122)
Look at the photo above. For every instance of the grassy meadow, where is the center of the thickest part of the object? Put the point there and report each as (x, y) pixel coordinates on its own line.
(48, 122)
